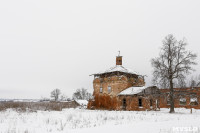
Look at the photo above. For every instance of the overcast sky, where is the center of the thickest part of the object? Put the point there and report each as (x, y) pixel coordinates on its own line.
(48, 44)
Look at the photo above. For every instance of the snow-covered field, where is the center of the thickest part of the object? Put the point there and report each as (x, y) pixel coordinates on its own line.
(81, 120)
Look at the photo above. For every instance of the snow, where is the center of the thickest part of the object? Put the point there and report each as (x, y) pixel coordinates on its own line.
(82, 102)
(19, 100)
(98, 121)
(118, 68)
(183, 99)
(132, 90)
(193, 99)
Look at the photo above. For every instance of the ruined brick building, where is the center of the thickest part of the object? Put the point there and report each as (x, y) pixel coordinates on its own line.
(120, 88)
(183, 98)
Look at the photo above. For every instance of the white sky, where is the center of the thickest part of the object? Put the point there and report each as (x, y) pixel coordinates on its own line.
(47, 44)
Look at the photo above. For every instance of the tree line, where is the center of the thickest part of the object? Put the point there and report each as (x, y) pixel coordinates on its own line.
(79, 94)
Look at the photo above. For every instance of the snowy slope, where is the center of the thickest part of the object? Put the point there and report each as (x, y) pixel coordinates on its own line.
(92, 121)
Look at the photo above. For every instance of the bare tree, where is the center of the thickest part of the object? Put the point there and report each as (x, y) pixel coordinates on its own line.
(63, 97)
(82, 94)
(198, 83)
(173, 63)
(55, 94)
(194, 81)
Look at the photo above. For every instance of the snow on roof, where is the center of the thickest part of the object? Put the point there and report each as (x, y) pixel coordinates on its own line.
(193, 99)
(118, 68)
(19, 100)
(182, 99)
(82, 102)
(132, 90)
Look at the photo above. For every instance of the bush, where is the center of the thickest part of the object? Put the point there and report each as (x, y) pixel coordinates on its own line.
(34, 106)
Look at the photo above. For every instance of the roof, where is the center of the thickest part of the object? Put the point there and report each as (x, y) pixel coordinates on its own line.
(118, 68)
(132, 90)
(82, 102)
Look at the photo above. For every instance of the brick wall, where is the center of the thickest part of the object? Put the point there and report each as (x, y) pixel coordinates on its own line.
(117, 84)
(186, 93)
(109, 99)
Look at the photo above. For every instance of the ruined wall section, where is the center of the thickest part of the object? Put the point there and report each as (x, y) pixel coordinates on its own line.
(149, 100)
(186, 93)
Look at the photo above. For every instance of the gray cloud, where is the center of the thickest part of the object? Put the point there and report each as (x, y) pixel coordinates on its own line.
(58, 44)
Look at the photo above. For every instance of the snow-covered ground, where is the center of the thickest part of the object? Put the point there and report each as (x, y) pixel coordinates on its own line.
(81, 120)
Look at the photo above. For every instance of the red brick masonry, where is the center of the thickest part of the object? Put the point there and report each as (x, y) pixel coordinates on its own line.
(184, 98)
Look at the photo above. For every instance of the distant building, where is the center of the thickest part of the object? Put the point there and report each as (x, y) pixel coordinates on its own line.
(120, 88)
(74, 104)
